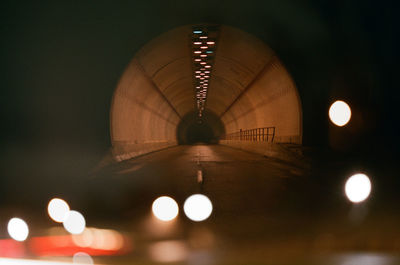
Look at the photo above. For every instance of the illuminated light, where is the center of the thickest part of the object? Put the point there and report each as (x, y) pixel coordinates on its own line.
(165, 208)
(168, 251)
(366, 259)
(197, 42)
(102, 242)
(197, 52)
(207, 72)
(207, 66)
(197, 60)
(197, 72)
(198, 207)
(210, 42)
(203, 55)
(209, 51)
(74, 223)
(207, 76)
(11, 248)
(202, 74)
(358, 188)
(198, 76)
(7, 261)
(18, 229)
(203, 37)
(58, 210)
(85, 239)
(203, 63)
(203, 47)
(82, 258)
(197, 32)
(201, 78)
(340, 113)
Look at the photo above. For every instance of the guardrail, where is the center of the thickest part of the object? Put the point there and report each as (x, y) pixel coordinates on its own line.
(265, 134)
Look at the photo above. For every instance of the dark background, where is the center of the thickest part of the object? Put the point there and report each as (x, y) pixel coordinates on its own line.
(62, 60)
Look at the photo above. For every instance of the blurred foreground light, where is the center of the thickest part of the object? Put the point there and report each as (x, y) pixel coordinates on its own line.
(165, 208)
(58, 210)
(85, 239)
(198, 207)
(74, 223)
(366, 259)
(10, 248)
(168, 251)
(18, 229)
(340, 113)
(6, 261)
(358, 188)
(82, 258)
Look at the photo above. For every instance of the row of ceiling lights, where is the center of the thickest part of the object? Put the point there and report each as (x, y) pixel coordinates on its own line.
(203, 46)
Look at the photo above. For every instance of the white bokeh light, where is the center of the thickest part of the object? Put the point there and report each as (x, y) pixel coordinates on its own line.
(58, 210)
(340, 113)
(82, 258)
(358, 188)
(18, 229)
(74, 223)
(198, 207)
(165, 208)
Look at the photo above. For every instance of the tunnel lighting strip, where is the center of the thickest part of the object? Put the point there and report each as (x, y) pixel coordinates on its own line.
(203, 42)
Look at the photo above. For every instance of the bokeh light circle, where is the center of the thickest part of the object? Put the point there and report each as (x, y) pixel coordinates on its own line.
(165, 208)
(58, 210)
(358, 188)
(82, 258)
(18, 229)
(340, 113)
(74, 223)
(198, 207)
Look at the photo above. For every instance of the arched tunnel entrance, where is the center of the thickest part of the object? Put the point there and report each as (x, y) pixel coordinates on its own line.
(199, 83)
(208, 130)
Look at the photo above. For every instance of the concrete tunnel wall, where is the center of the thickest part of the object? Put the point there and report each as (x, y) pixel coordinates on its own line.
(249, 88)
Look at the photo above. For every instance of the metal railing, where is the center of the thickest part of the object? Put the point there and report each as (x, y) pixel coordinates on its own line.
(265, 134)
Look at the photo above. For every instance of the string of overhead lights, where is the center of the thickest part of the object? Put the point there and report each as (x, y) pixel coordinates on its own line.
(203, 47)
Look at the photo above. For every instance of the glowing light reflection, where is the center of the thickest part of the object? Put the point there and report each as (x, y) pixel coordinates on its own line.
(198, 207)
(358, 188)
(82, 258)
(340, 113)
(58, 210)
(168, 251)
(75, 222)
(6, 261)
(18, 229)
(165, 208)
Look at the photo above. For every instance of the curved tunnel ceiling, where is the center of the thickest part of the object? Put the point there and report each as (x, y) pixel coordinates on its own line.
(249, 88)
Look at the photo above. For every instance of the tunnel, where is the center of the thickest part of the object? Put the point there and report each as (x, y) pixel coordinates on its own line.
(249, 89)
(110, 108)
(191, 129)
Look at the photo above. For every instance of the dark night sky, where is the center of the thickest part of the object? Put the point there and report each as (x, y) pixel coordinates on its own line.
(62, 60)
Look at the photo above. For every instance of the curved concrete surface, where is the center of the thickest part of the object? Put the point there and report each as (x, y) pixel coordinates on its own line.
(249, 88)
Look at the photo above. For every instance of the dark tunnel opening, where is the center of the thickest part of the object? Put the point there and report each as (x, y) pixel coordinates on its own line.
(191, 130)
